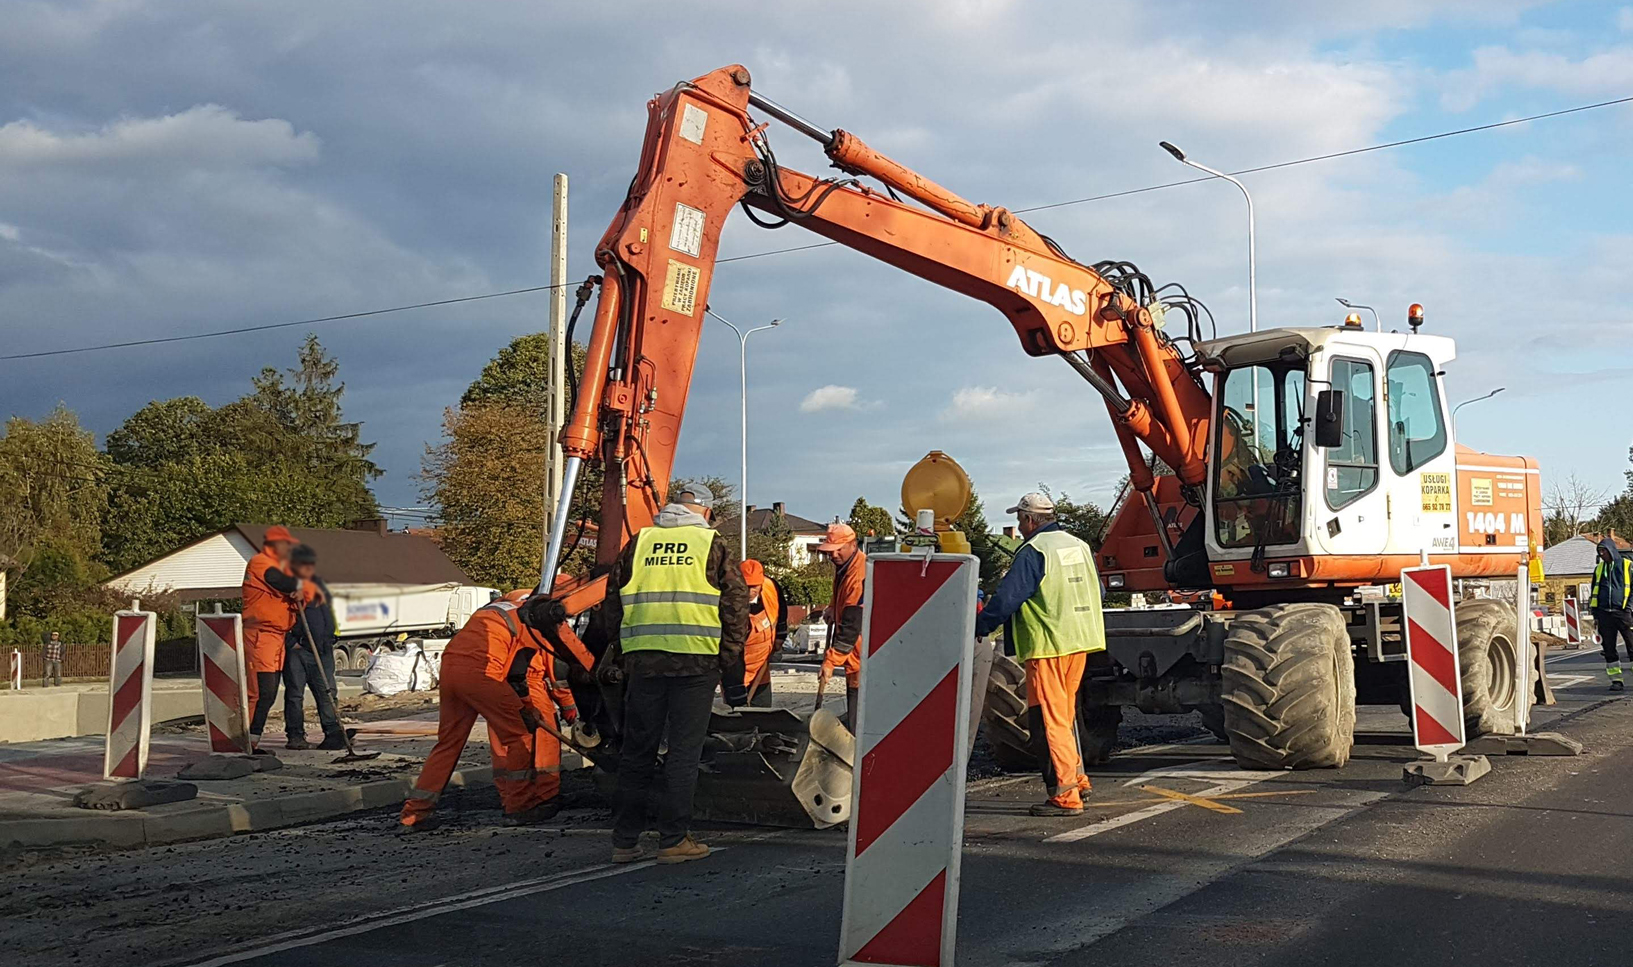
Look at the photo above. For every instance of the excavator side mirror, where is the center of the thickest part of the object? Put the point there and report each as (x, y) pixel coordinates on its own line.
(1329, 418)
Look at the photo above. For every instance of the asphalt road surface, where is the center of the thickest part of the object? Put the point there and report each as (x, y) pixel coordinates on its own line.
(1181, 858)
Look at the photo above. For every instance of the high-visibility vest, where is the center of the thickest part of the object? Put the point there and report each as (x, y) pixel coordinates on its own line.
(669, 604)
(1599, 581)
(1063, 616)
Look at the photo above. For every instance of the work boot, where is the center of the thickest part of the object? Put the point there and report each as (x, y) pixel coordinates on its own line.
(626, 854)
(1617, 686)
(1054, 809)
(298, 743)
(532, 816)
(686, 849)
(332, 742)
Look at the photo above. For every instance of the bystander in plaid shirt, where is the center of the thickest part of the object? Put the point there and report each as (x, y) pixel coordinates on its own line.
(53, 649)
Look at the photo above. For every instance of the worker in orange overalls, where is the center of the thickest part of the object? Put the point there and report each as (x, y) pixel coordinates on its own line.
(269, 594)
(497, 667)
(845, 613)
(767, 627)
(1050, 600)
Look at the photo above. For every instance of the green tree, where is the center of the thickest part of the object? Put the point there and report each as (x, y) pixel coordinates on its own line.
(994, 559)
(486, 476)
(867, 519)
(283, 453)
(53, 490)
(1085, 521)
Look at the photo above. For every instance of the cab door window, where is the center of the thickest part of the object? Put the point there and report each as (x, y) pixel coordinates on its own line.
(1417, 429)
(1352, 466)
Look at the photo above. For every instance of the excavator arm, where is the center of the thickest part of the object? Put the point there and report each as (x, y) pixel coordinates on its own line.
(704, 155)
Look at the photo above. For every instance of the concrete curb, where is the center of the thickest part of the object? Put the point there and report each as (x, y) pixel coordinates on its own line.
(207, 820)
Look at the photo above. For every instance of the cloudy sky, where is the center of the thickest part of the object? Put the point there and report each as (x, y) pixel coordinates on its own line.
(179, 167)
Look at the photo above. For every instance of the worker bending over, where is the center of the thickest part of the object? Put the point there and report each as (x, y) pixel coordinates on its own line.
(767, 630)
(270, 595)
(677, 614)
(1612, 585)
(1051, 600)
(845, 613)
(485, 671)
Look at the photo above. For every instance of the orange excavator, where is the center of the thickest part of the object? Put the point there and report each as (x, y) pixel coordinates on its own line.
(1306, 462)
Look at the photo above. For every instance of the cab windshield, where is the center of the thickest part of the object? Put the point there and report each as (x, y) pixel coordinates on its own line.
(1257, 496)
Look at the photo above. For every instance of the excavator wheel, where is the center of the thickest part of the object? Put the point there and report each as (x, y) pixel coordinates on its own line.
(1486, 654)
(1008, 728)
(1289, 688)
(1003, 717)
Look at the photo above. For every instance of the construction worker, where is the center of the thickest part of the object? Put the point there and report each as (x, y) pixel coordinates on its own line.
(1051, 600)
(845, 613)
(485, 670)
(1612, 584)
(677, 614)
(309, 662)
(767, 630)
(269, 595)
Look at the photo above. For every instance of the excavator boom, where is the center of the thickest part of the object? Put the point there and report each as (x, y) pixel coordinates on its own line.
(703, 155)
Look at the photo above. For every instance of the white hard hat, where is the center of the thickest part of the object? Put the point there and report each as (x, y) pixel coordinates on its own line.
(1033, 503)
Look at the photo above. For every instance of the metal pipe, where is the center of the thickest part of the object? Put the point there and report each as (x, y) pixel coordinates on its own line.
(1116, 400)
(558, 527)
(1158, 523)
(789, 118)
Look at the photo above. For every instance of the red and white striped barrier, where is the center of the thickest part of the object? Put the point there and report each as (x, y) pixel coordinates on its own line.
(130, 686)
(16, 671)
(912, 744)
(1431, 647)
(1573, 622)
(226, 694)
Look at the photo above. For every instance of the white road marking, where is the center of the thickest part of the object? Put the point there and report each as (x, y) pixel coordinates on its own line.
(420, 911)
(1141, 815)
(1566, 681)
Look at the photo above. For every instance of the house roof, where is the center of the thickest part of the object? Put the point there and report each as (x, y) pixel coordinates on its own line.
(214, 564)
(1576, 555)
(371, 556)
(759, 518)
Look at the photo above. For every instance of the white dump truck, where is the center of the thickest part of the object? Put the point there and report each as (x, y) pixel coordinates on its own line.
(372, 616)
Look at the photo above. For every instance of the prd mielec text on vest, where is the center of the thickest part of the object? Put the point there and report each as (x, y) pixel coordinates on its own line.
(669, 553)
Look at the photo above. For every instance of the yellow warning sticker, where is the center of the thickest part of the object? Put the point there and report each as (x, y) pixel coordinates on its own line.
(1437, 493)
(680, 290)
(1480, 491)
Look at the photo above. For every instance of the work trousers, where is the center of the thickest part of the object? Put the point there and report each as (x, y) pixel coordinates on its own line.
(263, 652)
(264, 695)
(302, 671)
(53, 673)
(463, 694)
(653, 706)
(540, 782)
(762, 696)
(1611, 624)
(1051, 699)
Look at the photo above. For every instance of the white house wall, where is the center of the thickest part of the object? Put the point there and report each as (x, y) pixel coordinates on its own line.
(215, 562)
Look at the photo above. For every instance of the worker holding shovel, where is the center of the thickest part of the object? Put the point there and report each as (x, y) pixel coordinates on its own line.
(311, 664)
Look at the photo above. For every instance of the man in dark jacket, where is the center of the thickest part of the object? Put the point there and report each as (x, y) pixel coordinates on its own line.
(311, 662)
(676, 613)
(1612, 585)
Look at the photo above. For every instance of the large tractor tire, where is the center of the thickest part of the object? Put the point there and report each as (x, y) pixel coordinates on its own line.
(1289, 688)
(1003, 717)
(1008, 728)
(1486, 653)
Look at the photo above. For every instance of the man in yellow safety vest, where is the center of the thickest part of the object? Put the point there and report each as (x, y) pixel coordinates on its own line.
(1051, 600)
(677, 613)
(1612, 585)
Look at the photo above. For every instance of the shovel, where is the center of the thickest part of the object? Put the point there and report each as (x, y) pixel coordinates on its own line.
(352, 755)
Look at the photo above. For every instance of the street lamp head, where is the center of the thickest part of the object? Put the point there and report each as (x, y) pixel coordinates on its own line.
(1345, 303)
(1498, 390)
(776, 322)
(1168, 147)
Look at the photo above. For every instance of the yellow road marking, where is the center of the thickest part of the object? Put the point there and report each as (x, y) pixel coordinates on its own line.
(1193, 800)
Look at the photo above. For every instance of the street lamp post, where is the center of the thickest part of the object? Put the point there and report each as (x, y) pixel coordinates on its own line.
(1252, 282)
(1376, 324)
(1467, 402)
(742, 373)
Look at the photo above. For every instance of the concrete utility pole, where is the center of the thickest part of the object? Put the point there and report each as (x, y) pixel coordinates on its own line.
(556, 400)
